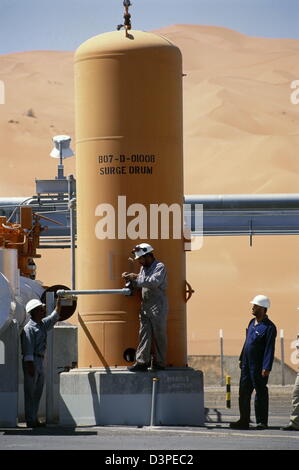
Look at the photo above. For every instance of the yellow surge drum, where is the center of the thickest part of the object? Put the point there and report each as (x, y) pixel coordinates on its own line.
(129, 151)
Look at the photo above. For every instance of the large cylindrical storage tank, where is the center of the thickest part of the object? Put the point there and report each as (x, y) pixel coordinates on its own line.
(129, 150)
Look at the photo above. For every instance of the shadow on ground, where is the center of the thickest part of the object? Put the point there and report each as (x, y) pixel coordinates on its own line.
(47, 431)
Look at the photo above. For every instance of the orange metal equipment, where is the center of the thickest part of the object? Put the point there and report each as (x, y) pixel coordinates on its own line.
(24, 237)
(129, 143)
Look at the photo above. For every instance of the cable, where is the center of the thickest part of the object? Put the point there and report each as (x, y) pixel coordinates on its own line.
(17, 207)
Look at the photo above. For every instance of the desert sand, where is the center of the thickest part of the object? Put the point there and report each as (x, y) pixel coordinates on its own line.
(241, 135)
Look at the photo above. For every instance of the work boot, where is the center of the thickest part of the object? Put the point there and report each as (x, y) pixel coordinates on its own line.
(35, 424)
(41, 424)
(289, 427)
(239, 425)
(31, 424)
(137, 367)
(261, 426)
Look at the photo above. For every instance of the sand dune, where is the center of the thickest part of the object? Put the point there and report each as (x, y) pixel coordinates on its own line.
(241, 135)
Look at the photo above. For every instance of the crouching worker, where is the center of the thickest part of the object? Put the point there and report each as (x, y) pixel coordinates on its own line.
(152, 280)
(33, 344)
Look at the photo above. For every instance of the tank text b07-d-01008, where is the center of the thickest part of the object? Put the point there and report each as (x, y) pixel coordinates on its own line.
(122, 158)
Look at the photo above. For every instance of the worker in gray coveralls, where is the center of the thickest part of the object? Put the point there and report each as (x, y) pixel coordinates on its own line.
(152, 279)
(294, 418)
(33, 343)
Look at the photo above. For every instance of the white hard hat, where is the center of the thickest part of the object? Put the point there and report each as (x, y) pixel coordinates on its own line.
(142, 249)
(261, 300)
(32, 304)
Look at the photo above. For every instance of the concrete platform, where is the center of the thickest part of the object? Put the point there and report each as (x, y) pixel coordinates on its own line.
(114, 396)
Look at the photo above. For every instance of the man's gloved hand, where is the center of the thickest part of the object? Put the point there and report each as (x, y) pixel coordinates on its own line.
(265, 373)
(129, 276)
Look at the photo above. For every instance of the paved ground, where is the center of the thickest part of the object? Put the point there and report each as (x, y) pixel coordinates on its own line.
(215, 435)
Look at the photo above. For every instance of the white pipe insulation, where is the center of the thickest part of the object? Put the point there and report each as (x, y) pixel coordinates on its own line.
(15, 290)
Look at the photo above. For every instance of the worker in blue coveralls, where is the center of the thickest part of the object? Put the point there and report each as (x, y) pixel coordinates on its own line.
(33, 343)
(256, 361)
(152, 280)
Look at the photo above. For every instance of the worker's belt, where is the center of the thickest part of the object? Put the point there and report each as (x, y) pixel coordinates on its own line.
(39, 355)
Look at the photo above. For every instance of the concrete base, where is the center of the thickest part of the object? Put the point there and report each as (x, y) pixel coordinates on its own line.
(118, 397)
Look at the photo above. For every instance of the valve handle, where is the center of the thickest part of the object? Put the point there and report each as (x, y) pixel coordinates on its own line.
(189, 291)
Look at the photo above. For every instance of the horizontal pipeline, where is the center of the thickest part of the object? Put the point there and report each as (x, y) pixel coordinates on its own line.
(123, 291)
(254, 202)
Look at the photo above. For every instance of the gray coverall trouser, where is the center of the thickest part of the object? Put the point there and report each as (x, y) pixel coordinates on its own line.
(34, 342)
(294, 418)
(33, 389)
(152, 332)
(153, 314)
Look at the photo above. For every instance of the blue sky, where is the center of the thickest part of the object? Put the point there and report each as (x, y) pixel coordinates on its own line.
(65, 24)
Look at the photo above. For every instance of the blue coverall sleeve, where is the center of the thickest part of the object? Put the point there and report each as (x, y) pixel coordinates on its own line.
(50, 320)
(155, 279)
(242, 352)
(270, 348)
(28, 344)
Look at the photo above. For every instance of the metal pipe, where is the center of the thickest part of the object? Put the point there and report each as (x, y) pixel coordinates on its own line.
(51, 212)
(54, 247)
(55, 240)
(50, 303)
(244, 201)
(154, 394)
(282, 357)
(44, 199)
(123, 291)
(221, 357)
(72, 203)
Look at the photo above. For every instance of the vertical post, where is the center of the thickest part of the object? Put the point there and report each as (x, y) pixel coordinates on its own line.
(60, 165)
(71, 205)
(50, 302)
(2, 353)
(221, 358)
(228, 402)
(251, 234)
(154, 393)
(282, 357)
